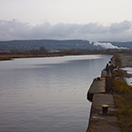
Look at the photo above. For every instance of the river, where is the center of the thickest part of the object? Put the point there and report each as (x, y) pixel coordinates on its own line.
(47, 94)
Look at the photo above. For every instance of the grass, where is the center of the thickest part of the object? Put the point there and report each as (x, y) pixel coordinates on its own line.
(118, 61)
(124, 110)
(122, 94)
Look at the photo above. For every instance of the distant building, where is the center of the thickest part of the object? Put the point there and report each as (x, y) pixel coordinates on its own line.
(5, 51)
(54, 51)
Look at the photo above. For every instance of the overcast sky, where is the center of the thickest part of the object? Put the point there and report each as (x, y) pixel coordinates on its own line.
(93, 20)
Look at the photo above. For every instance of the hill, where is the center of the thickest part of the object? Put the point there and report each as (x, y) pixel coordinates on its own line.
(56, 44)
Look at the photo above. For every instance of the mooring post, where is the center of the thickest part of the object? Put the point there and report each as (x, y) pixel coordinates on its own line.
(104, 109)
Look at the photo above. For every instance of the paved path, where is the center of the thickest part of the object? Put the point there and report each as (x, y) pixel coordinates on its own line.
(104, 73)
(103, 122)
(99, 122)
(97, 87)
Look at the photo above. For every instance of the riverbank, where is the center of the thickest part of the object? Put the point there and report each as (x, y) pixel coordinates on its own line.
(99, 120)
(10, 57)
(122, 93)
(118, 96)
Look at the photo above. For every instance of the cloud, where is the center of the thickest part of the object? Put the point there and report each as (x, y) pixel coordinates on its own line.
(120, 27)
(14, 29)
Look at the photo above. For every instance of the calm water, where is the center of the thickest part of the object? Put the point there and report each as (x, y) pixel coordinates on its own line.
(47, 94)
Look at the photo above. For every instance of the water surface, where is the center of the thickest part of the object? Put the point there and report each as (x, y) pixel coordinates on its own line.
(47, 94)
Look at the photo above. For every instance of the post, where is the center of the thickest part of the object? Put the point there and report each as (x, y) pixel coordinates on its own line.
(104, 109)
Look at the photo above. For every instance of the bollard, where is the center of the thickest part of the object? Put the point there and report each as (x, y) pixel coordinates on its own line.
(98, 78)
(104, 109)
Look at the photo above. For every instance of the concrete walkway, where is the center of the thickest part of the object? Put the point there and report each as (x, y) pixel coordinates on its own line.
(97, 87)
(104, 73)
(99, 122)
(103, 122)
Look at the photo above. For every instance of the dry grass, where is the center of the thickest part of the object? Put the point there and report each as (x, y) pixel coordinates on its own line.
(122, 96)
(124, 110)
(9, 57)
(5, 58)
(118, 61)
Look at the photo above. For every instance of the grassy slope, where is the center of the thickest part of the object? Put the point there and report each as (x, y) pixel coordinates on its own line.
(123, 97)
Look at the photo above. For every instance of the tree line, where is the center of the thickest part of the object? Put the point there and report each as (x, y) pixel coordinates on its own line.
(43, 51)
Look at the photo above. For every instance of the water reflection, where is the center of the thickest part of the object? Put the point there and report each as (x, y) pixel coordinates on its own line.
(47, 94)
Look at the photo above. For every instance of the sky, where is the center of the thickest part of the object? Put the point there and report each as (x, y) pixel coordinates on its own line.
(94, 20)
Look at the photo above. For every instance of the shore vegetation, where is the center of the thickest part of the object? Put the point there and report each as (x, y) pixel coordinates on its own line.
(43, 52)
(122, 94)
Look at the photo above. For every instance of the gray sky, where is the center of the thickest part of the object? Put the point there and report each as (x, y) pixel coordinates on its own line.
(66, 19)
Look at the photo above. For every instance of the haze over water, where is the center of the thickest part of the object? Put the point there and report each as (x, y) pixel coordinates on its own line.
(47, 94)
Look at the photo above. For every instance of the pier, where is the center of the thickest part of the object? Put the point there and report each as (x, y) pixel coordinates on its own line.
(97, 87)
(100, 121)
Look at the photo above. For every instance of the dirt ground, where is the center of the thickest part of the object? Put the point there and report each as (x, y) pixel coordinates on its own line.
(126, 62)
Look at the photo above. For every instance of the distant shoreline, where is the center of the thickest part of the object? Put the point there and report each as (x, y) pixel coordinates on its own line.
(10, 57)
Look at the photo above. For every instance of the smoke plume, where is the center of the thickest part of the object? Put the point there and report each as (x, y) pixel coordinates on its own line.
(108, 46)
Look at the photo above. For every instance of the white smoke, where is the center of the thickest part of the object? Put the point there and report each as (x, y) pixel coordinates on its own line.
(90, 42)
(108, 46)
